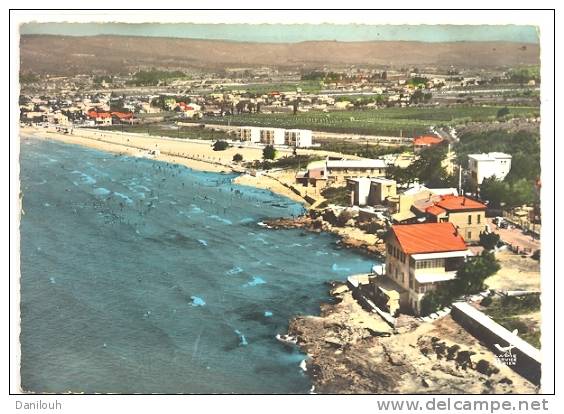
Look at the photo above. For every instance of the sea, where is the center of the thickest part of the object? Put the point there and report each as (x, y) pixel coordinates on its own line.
(139, 276)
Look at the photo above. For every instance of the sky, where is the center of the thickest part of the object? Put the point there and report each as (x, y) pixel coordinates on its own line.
(294, 32)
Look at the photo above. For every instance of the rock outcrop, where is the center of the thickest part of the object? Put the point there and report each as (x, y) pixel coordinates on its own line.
(354, 351)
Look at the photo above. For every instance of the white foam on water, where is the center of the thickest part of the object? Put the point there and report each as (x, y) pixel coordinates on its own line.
(101, 191)
(203, 242)
(220, 219)
(124, 197)
(196, 209)
(336, 268)
(142, 187)
(234, 270)
(197, 301)
(255, 281)
(84, 177)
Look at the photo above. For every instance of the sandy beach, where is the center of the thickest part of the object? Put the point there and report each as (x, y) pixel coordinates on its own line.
(193, 154)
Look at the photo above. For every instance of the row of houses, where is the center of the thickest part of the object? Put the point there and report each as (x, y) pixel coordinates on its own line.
(420, 204)
(298, 138)
(109, 118)
(431, 229)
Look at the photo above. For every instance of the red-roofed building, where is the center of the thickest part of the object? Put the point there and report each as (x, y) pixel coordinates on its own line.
(122, 117)
(435, 211)
(420, 257)
(189, 110)
(468, 215)
(425, 141)
(100, 117)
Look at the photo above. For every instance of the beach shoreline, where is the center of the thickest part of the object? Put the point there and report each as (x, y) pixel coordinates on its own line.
(189, 153)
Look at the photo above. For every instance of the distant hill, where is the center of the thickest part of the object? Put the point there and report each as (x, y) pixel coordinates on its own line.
(122, 54)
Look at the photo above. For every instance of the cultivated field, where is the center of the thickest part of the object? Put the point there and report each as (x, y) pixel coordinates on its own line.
(387, 121)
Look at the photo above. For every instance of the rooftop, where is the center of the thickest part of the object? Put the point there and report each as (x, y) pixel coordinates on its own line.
(363, 163)
(428, 238)
(385, 181)
(454, 203)
(491, 156)
(435, 210)
(427, 140)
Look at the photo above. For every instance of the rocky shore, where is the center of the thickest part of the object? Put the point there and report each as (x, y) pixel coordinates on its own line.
(353, 351)
(326, 220)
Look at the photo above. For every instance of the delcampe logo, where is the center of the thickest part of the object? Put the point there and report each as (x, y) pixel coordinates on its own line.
(506, 356)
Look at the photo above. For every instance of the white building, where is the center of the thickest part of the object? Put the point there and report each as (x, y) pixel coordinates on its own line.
(370, 191)
(250, 134)
(488, 165)
(341, 170)
(272, 136)
(299, 138)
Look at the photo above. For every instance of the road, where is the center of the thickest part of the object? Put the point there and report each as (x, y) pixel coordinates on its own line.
(515, 237)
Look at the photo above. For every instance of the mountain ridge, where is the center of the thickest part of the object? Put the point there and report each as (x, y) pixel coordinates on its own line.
(66, 55)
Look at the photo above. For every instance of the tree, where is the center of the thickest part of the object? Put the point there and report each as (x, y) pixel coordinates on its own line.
(220, 145)
(511, 194)
(237, 157)
(496, 192)
(503, 112)
(269, 153)
(433, 301)
(471, 275)
(469, 280)
(241, 106)
(489, 240)
(522, 192)
(427, 168)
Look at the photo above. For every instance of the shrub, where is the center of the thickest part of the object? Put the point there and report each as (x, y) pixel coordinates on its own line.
(489, 240)
(343, 218)
(487, 301)
(237, 157)
(220, 145)
(470, 277)
(269, 153)
(503, 112)
(435, 300)
(430, 303)
(337, 195)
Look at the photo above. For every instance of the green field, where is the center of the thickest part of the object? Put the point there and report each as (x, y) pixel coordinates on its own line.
(387, 121)
(166, 130)
(512, 312)
(265, 88)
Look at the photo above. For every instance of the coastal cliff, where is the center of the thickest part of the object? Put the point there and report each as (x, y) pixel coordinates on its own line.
(353, 351)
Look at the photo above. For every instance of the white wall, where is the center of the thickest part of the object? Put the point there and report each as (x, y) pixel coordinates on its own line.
(499, 167)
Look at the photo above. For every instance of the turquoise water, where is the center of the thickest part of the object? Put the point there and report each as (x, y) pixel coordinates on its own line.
(140, 276)
(296, 32)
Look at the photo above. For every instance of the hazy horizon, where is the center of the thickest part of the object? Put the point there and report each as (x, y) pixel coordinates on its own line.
(294, 33)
